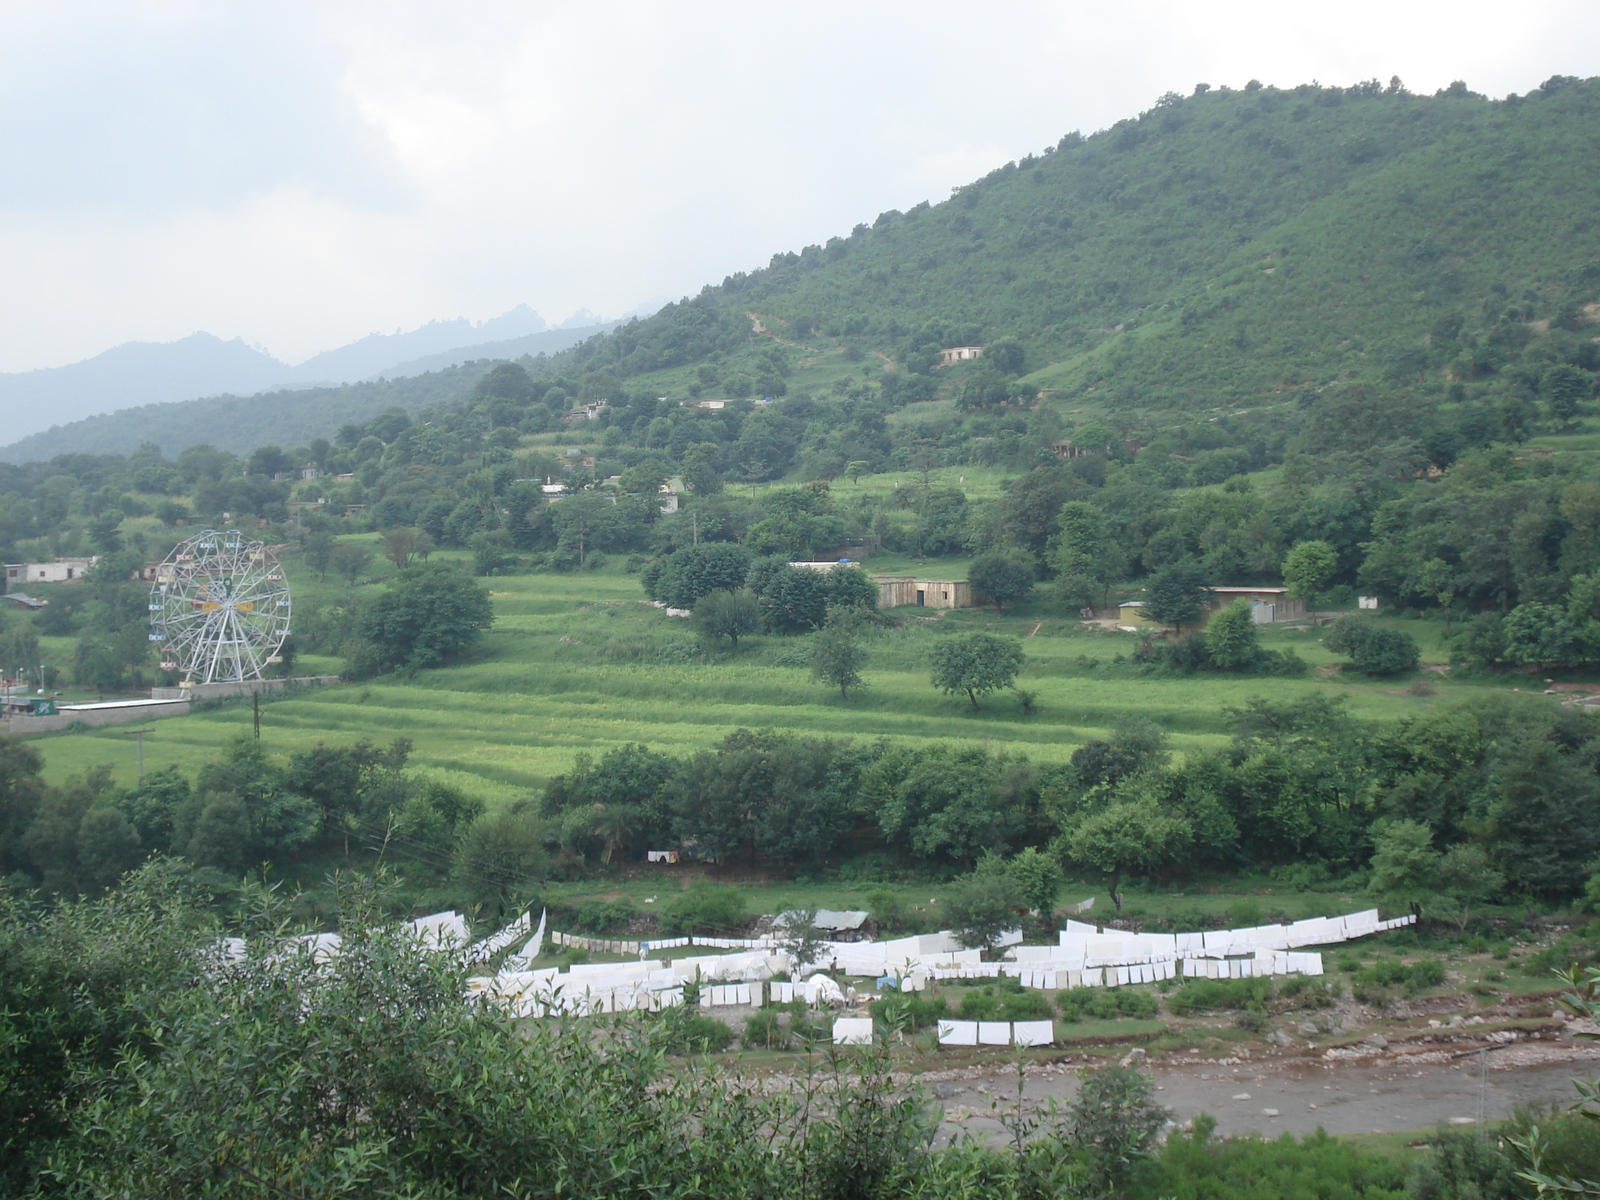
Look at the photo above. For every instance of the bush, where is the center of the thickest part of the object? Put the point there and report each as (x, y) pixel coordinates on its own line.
(1392, 973)
(700, 1034)
(918, 1012)
(1312, 1168)
(1004, 1000)
(604, 916)
(1212, 995)
(1372, 649)
(705, 908)
(766, 1030)
(1105, 1004)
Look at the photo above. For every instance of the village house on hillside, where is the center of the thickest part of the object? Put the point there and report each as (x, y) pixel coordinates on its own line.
(951, 355)
(62, 570)
(1267, 605)
(898, 591)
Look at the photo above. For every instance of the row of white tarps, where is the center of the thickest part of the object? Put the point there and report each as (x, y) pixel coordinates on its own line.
(1083, 948)
(501, 939)
(442, 931)
(819, 989)
(1270, 962)
(524, 958)
(995, 1033)
(725, 995)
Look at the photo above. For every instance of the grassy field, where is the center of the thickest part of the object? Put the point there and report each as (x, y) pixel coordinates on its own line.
(579, 663)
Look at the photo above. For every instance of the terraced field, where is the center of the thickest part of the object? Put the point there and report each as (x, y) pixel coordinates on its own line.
(578, 663)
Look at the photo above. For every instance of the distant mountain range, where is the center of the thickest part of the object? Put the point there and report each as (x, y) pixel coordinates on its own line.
(288, 414)
(89, 406)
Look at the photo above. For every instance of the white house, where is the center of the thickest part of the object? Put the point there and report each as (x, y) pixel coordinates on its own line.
(62, 570)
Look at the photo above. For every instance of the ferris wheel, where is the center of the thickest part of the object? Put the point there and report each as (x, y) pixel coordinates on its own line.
(219, 608)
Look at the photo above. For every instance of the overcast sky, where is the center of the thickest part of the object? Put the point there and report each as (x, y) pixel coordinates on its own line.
(303, 174)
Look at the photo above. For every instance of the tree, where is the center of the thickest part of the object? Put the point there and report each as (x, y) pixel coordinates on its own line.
(350, 561)
(1135, 834)
(429, 615)
(501, 854)
(1003, 577)
(1404, 864)
(1371, 648)
(1116, 1119)
(1039, 879)
(108, 845)
(799, 936)
(405, 543)
(1464, 878)
(694, 571)
(793, 599)
(1564, 389)
(1175, 594)
(19, 650)
(1082, 555)
(837, 657)
(855, 469)
(1541, 635)
(851, 587)
(726, 614)
(317, 549)
(700, 468)
(1437, 578)
(1231, 638)
(981, 907)
(1307, 568)
(976, 664)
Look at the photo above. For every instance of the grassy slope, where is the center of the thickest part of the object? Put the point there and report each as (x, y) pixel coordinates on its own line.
(558, 676)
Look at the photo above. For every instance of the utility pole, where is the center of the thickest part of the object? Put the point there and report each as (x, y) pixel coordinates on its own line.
(255, 709)
(139, 735)
(694, 525)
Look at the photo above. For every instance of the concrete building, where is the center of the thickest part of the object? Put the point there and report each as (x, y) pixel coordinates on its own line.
(62, 570)
(951, 355)
(587, 412)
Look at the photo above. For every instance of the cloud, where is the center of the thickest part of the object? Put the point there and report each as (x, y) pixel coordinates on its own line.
(303, 174)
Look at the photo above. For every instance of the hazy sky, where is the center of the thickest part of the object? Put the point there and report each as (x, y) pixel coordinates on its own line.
(303, 174)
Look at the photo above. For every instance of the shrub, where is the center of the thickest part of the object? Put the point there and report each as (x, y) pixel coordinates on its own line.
(1105, 1004)
(705, 908)
(1392, 973)
(703, 1035)
(1211, 995)
(604, 916)
(1285, 1169)
(1372, 649)
(766, 1030)
(917, 1011)
(1005, 1000)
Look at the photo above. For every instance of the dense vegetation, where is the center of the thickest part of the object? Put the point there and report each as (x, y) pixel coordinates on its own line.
(1341, 339)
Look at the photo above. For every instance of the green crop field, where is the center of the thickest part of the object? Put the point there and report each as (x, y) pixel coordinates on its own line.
(579, 663)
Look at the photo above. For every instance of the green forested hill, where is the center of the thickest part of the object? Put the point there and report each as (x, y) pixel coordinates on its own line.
(1217, 248)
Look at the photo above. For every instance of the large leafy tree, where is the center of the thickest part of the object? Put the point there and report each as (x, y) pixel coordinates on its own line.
(1175, 594)
(976, 664)
(837, 657)
(694, 571)
(1232, 642)
(430, 615)
(1003, 577)
(727, 614)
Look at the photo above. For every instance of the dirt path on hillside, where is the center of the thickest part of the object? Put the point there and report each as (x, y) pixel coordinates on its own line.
(1304, 1094)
